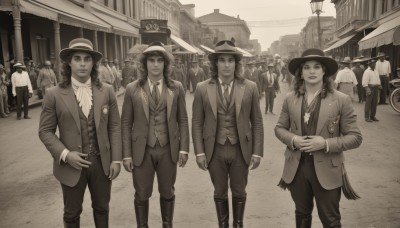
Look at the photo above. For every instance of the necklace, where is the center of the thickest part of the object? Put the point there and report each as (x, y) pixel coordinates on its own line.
(310, 107)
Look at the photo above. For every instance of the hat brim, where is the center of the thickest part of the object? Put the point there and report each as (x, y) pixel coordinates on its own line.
(66, 51)
(166, 54)
(330, 64)
(213, 56)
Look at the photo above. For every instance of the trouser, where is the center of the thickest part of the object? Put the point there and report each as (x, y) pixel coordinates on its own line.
(269, 98)
(305, 187)
(2, 104)
(100, 191)
(385, 88)
(157, 160)
(11, 101)
(22, 98)
(228, 165)
(371, 102)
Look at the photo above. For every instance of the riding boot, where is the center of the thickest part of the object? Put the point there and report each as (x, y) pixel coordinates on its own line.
(222, 206)
(167, 211)
(303, 221)
(100, 219)
(238, 205)
(142, 213)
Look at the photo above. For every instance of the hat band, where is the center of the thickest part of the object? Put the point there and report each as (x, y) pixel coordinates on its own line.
(154, 48)
(313, 56)
(82, 45)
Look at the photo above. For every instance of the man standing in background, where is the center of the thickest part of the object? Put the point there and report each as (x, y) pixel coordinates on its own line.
(46, 78)
(21, 89)
(382, 66)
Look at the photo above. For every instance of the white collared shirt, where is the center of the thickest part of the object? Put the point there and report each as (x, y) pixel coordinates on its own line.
(229, 88)
(160, 86)
(346, 76)
(370, 77)
(383, 68)
(19, 80)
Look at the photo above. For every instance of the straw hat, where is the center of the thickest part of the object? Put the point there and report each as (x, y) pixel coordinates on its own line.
(80, 44)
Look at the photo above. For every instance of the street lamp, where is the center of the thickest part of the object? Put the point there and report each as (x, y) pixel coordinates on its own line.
(316, 7)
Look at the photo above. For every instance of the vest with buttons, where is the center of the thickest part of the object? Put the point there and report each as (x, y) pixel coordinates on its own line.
(158, 123)
(226, 120)
(88, 132)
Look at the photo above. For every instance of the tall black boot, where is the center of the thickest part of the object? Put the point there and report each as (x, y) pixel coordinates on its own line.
(167, 211)
(100, 219)
(222, 207)
(142, 213)
(238, 205)
(303, 221)
(72, 224)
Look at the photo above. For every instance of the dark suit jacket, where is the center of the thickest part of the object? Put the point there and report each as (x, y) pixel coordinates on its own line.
(248, 118)
(265, 83)
(135, 121)
(60, 109)
(337, 123)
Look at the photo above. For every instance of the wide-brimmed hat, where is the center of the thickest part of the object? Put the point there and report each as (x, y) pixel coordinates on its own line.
(127, 60)
(372, 60)
(346, 60)
(47, 63)
(277, 56)
(314, 54)
(224, 47)
(159, 46)
(19, 65)
(80, 44)
(251, 63)
(271, 65)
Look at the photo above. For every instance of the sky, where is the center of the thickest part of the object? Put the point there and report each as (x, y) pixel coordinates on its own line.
(267, 19)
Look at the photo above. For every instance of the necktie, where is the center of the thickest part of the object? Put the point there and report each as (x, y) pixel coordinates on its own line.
(226, 93)
(155, 94)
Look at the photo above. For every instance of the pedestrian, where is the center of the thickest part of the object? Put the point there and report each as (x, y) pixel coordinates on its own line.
(383, 68)
(358, 71)
(105, 73)
(126, 73)
(21, 89)
(46, 78)
(205, 68)
(271, 88)
(196, 75)
(88, 150)
(155, 133)
(346, 80)
(253, 74)
(178, 74)
(31, 69)
(317, 124)
(278, 66)
(11, 99)
(4, 82)
(227, 130)
(372, 84)
(116, 72)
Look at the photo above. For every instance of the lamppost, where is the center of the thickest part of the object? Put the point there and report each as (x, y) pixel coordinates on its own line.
(316, 7)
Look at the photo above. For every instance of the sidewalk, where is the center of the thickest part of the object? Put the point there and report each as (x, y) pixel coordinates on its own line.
(35, 101)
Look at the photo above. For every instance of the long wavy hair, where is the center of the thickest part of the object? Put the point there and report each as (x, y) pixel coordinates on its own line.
(300, 89)
(144, 72)
(67, 74)
(238, 68)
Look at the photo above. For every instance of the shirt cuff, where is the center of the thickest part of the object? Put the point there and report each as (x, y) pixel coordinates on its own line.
(118, 162)
(202, 154)
(293, 146)
(327, 146)
(183, 152)
(257, 156)
(63, 156)
(126, 158)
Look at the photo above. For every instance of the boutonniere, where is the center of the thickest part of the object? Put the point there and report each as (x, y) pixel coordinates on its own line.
(105, 110)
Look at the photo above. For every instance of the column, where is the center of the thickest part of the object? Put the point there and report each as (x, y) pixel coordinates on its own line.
(371, 9)
(95, 41)
(105, 45)
(389, 5)
(115, 47)
(81, 32)
(17, 31)
(121, 43)
(127, 46)
(378, 9)
(57, 49)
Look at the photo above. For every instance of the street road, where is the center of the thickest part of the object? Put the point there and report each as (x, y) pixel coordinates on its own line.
(31, 197)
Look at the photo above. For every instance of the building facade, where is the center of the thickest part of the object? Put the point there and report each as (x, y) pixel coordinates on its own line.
(310, 32)
(290, 46)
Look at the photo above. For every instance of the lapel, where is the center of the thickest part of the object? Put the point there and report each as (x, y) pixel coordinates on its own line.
(326, 106)
(98, 97)
(170, 100)
(212, 96)
(297, 102)
(145, 99)
(70, 101)
(238, 93)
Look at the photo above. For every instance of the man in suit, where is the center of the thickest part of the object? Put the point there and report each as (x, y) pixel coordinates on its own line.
(227, 130)
(88, 149)
(317, 124)
(155, 133)
(271, 87)
(196, 75)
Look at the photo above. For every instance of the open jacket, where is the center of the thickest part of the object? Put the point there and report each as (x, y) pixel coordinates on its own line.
(337, 123)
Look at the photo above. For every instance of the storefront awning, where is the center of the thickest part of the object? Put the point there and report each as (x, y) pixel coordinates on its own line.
(245, 53)
(382, 35)
(207, 48)
(38, 11)
(73, 15)
(340, 43)
(199, 51)
(118, 26)
(183, 44)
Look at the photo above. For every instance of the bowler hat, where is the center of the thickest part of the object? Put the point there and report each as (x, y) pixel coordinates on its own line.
(224, 47)
(19, 65)
(80, 44)
(317, 55)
